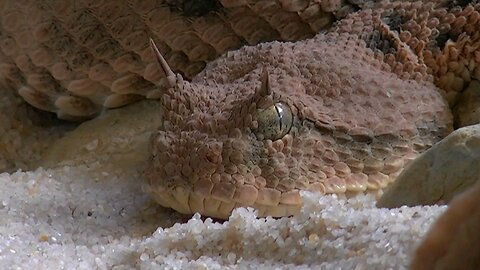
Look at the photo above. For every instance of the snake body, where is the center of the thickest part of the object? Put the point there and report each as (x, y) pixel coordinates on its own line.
(76, 57)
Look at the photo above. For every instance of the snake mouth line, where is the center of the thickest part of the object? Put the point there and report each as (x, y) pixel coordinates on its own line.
(189, 202)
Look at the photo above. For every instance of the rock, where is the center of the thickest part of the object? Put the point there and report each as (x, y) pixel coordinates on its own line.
(440, 173)
(467, 110)
(116, 141)
(454, 239)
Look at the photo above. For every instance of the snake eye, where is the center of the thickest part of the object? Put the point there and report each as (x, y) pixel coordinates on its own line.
(274, 122)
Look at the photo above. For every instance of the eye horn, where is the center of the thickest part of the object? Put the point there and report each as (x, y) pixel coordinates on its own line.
(274, 122)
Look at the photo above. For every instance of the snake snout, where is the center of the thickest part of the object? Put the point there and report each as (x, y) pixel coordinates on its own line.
(194, 172)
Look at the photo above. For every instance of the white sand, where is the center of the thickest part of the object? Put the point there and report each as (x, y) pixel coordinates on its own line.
(53, 219)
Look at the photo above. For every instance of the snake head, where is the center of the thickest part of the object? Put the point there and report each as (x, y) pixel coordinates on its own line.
(213, 150)
(262, 123)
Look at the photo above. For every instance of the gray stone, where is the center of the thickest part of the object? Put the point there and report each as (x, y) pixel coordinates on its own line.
(436, 176)
(116, 141)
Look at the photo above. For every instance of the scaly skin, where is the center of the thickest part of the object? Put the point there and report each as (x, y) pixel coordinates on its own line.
(76, 57)
(363, 100)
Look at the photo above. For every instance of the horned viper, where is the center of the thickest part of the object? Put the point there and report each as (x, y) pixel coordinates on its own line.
(342, 112)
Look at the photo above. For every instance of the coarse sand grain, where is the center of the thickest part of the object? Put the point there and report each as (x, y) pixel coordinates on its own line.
(66, 219)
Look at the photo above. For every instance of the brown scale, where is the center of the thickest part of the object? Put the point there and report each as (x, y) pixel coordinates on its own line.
(240, 20)
(34, 77)
(444, 39)
(78, 61)
(287, 23)
(163, 23)
(87, 39)
(125, 28)
(12, 75)
(93, 37)
(315, 17)
(218, 34)
(44, 35)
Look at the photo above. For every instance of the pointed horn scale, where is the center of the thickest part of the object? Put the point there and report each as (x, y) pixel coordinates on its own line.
(163, 64)
(265, 88)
